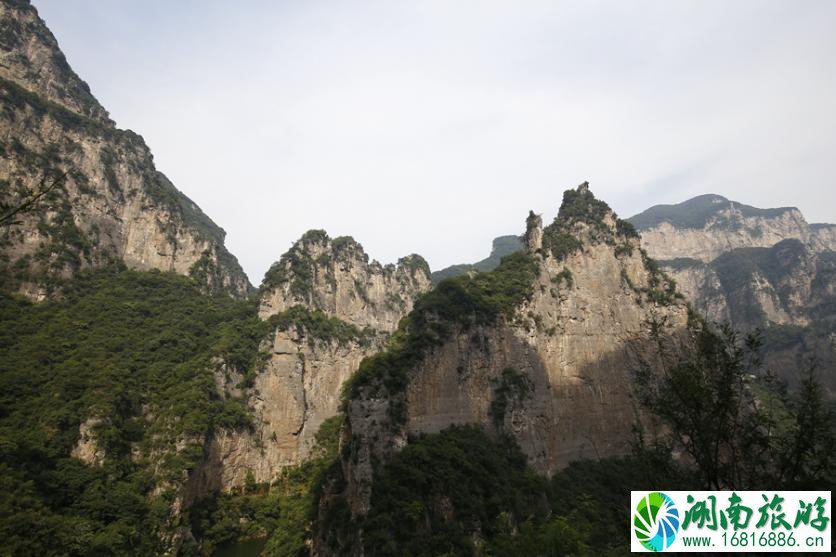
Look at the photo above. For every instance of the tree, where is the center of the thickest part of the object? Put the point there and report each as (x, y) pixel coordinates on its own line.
(734, 422)
(50, 181)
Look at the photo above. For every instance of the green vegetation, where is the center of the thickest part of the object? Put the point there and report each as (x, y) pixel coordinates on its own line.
(297, 266)
(626, 229)
(207, 274)
(108, 160)
(413, 264)
(502, 246)
(735, 422)
(511, 389)
(581, 207)
(461, 472)
(457, 303)
(560, 244)
(464, 492)
(17, 30)
(564, 275)
(316, 325)
(137, 352)
(120, 147)
(282, 511)
(737, 269)
(17, 97)
(697, 212)
(661, 287)
(65, 247)
(342, 245)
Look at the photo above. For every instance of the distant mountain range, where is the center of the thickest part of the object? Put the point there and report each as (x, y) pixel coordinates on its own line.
(502, 246)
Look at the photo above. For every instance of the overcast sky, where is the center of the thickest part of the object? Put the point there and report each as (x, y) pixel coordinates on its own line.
(432, 127)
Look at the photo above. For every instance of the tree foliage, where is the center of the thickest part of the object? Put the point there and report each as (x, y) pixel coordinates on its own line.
(738, 426)
(136, 351)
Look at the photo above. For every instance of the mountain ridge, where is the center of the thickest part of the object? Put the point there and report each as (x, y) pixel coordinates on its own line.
(108, 203)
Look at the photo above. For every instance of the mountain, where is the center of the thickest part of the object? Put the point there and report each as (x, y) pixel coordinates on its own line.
(335, 276)
(756, 268)
(107, 203)
(536, 349)
(502, 246)
(708, 225)
(325, 307)
(152, 402)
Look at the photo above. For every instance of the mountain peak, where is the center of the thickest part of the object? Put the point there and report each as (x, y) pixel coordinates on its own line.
(700, 211)
(111, 205)
(581, 218)
(335, 276)
(31, 58)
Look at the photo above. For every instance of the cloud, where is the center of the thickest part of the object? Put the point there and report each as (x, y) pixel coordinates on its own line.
(432, 127)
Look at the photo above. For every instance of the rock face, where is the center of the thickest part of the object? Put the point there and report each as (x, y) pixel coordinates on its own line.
(297, 389)
(823, 236)
(110, 203)
(783, 284)
(329, 308)
(87, 449)
(336, 277)
(552, 371)
(756, 268)
(709, 225)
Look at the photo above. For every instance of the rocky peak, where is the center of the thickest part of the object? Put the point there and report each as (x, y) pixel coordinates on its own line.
(708, 225)
(538, 349)
(328, 308)
(533, 238)
(584, 219)
(335, 276)
(30, 57)
(111, 205)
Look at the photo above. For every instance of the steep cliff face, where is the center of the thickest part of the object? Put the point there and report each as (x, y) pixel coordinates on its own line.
(823, 236)
(296, 390)
(109, 203)
(327, 308)
(706, 226)
(336, 277)
(538, 348)
(756, 268)
(30, 56)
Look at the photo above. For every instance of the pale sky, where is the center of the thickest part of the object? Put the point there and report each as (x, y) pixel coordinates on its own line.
(432, 127)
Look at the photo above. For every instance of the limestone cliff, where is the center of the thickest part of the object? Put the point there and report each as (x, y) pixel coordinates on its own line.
(296, 390)
(762, 269)
(336, 277)
(110, 204)
(327, 307)
(823, 236)
(783, 284)
(706, 226)
(787, 291)
(537, 348)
